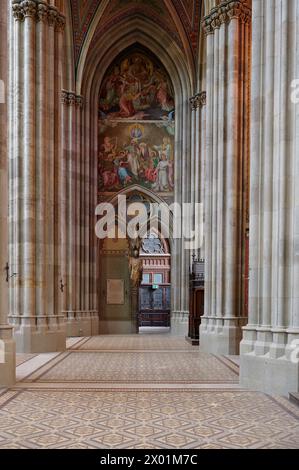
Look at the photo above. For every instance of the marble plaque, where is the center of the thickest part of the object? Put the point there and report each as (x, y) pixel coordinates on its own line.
(115, 292)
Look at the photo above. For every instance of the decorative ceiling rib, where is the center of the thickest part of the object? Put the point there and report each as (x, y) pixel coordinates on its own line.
(187, 11)
(83, 12)
(119, 10)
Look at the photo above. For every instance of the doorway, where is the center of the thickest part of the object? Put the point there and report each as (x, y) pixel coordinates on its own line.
(114, 289)
(155, 289)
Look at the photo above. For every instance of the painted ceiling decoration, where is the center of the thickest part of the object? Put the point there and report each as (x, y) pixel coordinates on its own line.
(188, 12)
(83, 12)
(119, 10)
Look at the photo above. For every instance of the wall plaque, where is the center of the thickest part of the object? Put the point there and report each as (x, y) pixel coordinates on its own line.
(115, 292)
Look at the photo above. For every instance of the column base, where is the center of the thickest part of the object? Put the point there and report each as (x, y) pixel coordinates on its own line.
(82, 323)
(7, 357)
(222, 336)
(269, 360)
(179, 323)
(39, 334)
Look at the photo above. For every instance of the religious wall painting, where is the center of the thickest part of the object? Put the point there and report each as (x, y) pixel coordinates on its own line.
(136, 88)
(136, 125)
(139, 153)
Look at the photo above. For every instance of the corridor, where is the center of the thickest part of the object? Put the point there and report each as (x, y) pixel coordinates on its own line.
(139, 391)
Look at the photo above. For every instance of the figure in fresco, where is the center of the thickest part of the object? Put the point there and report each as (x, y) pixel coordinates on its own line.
(126, 99)
(109, 147)
(151, 172)
(162, 170)
(133, 162)
(144, 151)
(110, 178)
(155, 157)
(125, 176)
(163, 98)
(165, 148)
(110, 86)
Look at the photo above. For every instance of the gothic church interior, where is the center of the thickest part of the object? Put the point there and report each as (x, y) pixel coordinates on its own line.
(152, 341)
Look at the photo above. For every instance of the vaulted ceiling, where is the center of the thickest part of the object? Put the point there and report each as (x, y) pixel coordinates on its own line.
(180, 18)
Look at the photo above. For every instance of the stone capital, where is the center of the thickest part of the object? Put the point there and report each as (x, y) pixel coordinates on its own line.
(224, 13)
(42, 12)
(79, 101)
(207, 25)
(39, 10)
(60, 23)
(29, 8)
(52, 16)
(17, 12)
(69, 98)
(198, 100)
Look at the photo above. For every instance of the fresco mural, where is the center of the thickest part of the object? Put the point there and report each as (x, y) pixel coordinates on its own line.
(141, 154)
(136, 88)
(136, 126)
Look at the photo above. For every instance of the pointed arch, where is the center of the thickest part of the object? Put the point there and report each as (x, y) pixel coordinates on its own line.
(150, 197)
(90, 74)
(123, 35)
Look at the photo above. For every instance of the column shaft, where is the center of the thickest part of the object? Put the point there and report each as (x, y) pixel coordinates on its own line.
(269, 350)
(38, 326)
(7, 344)
(226, 157)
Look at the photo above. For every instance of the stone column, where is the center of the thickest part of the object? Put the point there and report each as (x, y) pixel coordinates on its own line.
(39, 326)
(7, 344)
(180, 256)
(227, 28)
(81, 317)
(269, 349)
(198, 103)
(200, 151)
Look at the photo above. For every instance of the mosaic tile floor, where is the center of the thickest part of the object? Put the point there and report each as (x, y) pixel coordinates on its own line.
(160, 342)
(189, 420)
(159, 392)
(137, 367)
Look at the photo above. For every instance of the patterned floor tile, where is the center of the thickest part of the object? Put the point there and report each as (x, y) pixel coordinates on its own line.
(146, 419)
(81, 412)
(135, 342)
(139, 367)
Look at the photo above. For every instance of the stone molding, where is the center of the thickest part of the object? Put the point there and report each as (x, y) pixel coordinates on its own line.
(198, 101)
(39, 11)
(224, 13)
(69, 98)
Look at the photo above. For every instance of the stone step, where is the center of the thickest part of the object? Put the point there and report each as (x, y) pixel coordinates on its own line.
(294, 398)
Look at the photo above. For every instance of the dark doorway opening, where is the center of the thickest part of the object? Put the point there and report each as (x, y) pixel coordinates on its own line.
(155, 290)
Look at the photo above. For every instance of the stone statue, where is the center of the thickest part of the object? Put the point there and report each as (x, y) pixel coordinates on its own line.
(135, 264)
